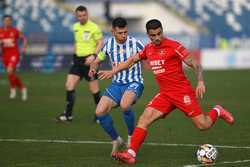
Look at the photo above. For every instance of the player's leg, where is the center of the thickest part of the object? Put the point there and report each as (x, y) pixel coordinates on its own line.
(71, 82)
(110, 98)
(206, 120)
(14, 80)
(188, 103)
(131, 94)
(146, 119)
(156, 109)
(102, 112)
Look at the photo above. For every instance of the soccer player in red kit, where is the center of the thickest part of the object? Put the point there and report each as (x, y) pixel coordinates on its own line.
(165, 58)
(9, 37)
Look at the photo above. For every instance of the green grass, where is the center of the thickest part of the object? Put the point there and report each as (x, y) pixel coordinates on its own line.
(34, 119)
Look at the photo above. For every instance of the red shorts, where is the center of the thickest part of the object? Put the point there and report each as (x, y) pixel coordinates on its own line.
(10, 61)
(185, 101)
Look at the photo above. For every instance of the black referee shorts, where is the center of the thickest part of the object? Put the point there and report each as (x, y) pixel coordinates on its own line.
(80, 69)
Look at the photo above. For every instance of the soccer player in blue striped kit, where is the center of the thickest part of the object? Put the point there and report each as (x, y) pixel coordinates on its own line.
(127, 85)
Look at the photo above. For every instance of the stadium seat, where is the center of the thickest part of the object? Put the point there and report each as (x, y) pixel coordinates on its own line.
(224, 18)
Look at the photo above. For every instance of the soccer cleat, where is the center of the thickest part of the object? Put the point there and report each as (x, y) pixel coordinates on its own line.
(64, 118)
(118, 144)
(24, 93)
(12, 93)
(125, 157)
(225, 115)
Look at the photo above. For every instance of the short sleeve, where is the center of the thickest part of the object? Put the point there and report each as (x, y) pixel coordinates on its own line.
(97, 33)
(142, 54)
(139, 46)
(181, 51)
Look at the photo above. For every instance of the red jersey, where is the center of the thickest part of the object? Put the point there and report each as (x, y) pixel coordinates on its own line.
(165, 61)
(9, 41)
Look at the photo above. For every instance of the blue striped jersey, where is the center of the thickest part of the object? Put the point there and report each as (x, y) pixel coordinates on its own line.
(121, 52)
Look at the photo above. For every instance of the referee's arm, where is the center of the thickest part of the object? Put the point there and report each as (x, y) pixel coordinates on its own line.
(99, 45)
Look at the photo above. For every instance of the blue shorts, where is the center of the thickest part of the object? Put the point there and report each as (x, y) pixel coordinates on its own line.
(115, 91)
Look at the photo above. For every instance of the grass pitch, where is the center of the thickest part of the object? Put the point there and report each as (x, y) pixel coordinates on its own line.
(83, 143)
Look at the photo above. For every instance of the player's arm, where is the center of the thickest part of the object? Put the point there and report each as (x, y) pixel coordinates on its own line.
(107, 74)
(191, 62)
(24, 41)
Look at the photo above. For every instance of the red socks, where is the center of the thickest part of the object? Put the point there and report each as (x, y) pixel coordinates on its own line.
(15, 81)
(213, 114)
(137, 139)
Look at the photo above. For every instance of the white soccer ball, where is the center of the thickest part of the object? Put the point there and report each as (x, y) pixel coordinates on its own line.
(206, 154)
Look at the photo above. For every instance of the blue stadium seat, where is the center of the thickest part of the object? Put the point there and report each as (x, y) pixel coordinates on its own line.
(224, 18)
(34, 16)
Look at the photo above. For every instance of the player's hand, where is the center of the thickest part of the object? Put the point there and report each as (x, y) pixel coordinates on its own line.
(105, 74)
(92, 72)
(93, 69)
(200, 89)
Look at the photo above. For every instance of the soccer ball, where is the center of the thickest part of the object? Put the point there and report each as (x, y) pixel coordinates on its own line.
(206, 154)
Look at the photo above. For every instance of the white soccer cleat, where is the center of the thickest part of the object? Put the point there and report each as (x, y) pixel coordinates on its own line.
(118, 144)
(24, 95)
(64, 118)
(12, 93)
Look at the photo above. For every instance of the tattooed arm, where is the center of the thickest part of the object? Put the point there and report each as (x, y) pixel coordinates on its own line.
(191, 62)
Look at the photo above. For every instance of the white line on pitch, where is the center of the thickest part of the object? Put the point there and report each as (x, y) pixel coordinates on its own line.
(107, 142)
(219, 163)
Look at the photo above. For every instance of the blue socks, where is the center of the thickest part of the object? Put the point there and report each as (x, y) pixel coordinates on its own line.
(129, 118)
(107, 124)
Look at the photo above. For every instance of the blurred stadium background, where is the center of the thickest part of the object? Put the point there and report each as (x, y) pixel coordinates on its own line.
(216, 31)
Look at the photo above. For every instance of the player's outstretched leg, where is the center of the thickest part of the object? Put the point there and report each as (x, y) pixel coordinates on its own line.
(224, 114)
(137, 139)
(140, 133)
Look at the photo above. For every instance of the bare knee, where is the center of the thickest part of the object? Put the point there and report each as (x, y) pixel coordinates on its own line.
(202, 122)
(124, 107)
(202, 126)
(10, 70)
(99, 112)
(102, 108)
(70, 85)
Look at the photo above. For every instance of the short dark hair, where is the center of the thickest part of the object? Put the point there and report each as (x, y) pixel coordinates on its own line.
(81, 8)
(7, 16)
(119, 22)
(153, 24)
